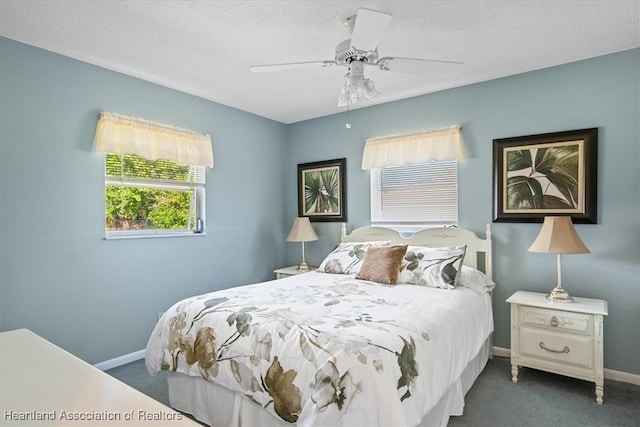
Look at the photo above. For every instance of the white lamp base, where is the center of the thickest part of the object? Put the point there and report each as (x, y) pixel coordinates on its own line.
(303, 267)
(558, 294)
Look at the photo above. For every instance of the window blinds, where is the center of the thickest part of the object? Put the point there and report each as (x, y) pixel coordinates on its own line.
(421, 194)
(120, 134)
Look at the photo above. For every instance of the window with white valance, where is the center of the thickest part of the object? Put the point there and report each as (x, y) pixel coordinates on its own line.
(116, 133)
(154, 177)
(414, 179)
(439, 145)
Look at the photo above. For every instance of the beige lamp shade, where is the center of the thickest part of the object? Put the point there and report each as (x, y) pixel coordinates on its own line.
(558, 236)
(302, 231)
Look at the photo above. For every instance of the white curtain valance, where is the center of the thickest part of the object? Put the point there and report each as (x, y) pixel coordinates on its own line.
(116, 133)
(439, 145)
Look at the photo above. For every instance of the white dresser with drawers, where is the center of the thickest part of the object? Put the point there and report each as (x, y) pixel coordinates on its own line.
(561, 337)
(43, 385)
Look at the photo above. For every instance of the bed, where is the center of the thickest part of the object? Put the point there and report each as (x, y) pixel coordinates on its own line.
(389, 331)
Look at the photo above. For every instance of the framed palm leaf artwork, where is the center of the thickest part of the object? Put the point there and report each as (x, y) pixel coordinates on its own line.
(321, 190)
(546, 174)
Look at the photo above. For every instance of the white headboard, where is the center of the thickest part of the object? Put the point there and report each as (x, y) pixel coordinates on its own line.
(478, 249)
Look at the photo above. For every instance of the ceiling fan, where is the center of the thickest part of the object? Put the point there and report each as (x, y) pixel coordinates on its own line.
(366, 28)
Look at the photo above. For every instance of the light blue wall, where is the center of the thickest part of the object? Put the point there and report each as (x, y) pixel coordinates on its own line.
(98, 299)
(603, 92)
(57, 274)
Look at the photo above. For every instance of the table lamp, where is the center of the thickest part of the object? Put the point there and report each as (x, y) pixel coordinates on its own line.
(558, 236)
(302, 231)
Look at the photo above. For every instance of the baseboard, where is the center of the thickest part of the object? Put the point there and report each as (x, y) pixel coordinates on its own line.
(121, 360)
(501, 352)
(609, 374)
(624, 377)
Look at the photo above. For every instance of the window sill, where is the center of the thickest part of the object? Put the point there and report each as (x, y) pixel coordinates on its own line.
(123, 235)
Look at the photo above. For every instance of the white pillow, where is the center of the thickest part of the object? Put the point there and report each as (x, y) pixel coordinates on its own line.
(432, 267)
(475, 279)
(347, 257)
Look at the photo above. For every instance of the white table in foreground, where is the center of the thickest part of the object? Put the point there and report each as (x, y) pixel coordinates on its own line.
(43, 385)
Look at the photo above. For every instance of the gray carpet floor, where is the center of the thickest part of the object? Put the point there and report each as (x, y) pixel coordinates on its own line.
(539, 399)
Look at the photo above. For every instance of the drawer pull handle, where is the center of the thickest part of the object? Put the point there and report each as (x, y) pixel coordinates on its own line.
(565, 349)
(554, 321)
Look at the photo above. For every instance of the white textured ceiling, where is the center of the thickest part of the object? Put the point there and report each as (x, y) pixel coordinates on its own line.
(205, 48)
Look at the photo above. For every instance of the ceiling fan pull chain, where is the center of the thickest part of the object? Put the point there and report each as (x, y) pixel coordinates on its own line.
(348, 125)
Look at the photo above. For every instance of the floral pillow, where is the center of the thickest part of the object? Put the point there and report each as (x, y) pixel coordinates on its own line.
(432, 267)
(347, 257)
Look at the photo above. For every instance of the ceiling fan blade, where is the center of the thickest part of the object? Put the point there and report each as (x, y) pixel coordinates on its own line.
(290, 66)
(417, 65)
(368, 30)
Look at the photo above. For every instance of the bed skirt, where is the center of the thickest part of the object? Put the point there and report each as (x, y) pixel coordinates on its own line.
(220, 407)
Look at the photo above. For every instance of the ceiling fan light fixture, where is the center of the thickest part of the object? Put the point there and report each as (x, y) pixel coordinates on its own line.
(369, 89)
(348, 93)
(366, 27)
(355, 87)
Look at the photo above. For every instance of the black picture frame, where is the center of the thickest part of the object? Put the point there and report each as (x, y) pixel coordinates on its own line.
(546, 174)
(322, 190)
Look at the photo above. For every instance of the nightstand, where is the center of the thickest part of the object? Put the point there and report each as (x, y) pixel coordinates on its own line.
(291, 271)
(563, 337)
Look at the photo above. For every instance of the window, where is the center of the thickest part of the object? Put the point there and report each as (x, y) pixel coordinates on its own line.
(152, 197)
(415, 196)
(154, 177)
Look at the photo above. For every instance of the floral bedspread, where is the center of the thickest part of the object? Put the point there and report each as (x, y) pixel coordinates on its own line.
(325, 349)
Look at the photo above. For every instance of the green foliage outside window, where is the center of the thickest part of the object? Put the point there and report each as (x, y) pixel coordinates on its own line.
(145, 207)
